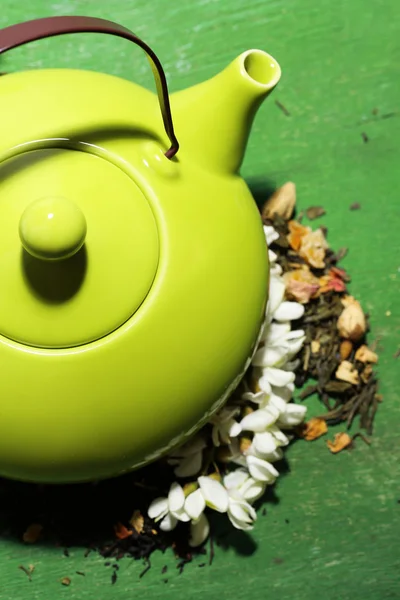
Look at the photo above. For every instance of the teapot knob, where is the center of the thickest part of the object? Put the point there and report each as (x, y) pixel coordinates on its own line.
(52, 228)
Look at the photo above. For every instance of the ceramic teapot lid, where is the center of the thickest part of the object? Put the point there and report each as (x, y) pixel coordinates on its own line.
(79, 248)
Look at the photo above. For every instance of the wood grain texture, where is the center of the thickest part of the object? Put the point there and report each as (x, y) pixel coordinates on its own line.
(340, 65)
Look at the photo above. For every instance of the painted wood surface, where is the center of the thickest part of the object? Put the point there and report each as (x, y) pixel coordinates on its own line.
(333, 528)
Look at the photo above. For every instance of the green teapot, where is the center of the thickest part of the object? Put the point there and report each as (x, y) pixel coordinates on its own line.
(134, 277)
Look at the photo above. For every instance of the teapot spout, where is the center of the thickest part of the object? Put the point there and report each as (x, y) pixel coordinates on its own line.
(213, 119)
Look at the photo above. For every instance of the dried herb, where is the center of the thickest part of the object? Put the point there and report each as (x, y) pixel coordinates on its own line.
(28, 571)
(313, 212)
(325, 354)
(282, 108)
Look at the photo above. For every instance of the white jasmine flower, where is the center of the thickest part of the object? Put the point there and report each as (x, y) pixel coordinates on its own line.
(292, 416)
(225, 426)
(274, 268)
(260, 419)
(214, 493)
(242, 490)
(261, 470)
(271, 235)
(274, 377)
(240, 482)
(289, 311)
(279, 343)
(276, 294)
(169, 510)
(241, 514)
(199, 531)
(188, 458)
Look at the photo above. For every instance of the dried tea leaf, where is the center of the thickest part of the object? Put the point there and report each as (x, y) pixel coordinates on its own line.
(337, 387)
(365, 355)
(340, 442)
(347, 372)
(33, 533)
(282, 202)
(308, 391)
(346, 348)
(341, 253)
(137, 521)
(121, 532)
(312, 429)
(366, 374)
(313, 212)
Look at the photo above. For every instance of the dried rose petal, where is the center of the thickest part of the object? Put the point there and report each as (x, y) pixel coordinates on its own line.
(340, 442)
(312, 429)
(332, 282)
(301, 285)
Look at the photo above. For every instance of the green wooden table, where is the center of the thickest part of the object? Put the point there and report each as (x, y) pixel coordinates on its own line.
(333, 531)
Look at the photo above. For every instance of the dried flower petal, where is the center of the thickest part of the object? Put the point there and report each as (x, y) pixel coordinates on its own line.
(313, 429)
(312, 248)
(351, 323)
(296, 234)
(33, 533)
(333, 280)
(301, 285)
(137, 521)
(282, 202)
(365, 355)
(347, 372)
(340, 442)
(315, 346)
(121, 532)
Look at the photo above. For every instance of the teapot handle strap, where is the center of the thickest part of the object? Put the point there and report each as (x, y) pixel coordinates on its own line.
(30, 31)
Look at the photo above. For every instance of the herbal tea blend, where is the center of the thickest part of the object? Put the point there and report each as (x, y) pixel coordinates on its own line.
(313, 343)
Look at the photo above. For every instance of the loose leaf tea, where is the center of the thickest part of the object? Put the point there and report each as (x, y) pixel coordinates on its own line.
(335, 353)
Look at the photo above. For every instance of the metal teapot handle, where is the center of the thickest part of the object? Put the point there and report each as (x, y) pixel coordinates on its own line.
(30, 31)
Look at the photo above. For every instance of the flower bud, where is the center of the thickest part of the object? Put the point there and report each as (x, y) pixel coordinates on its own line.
(351, 323)
(281, 203)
